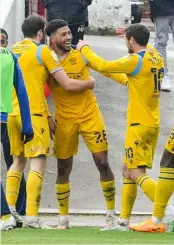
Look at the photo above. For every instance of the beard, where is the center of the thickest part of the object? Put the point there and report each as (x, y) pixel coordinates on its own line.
(61, 47)
(130, 49)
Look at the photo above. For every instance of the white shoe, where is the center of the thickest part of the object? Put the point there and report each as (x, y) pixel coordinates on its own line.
(20, 222)
(169, 214)
(121, 225)
(63, 223)
(166, 84)
(110, 222)
(170, 226)
(169, 218)
(8, 224)
(34, 222)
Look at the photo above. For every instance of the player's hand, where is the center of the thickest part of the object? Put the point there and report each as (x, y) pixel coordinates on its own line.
(52, 127)
(81, 44)
(92, 82)
(26, 137)
(120, 31)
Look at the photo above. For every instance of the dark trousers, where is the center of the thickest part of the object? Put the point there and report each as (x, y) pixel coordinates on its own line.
(21, 202)
(77, 33)
(4, 205)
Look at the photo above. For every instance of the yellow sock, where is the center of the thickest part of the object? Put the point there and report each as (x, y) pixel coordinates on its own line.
(129, 193)
(108, 189)
(13, 181)
(148, 186)
(63, 194)
(164, 190)
(34, 186)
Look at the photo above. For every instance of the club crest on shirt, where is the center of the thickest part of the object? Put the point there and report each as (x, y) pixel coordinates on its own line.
(73, 61)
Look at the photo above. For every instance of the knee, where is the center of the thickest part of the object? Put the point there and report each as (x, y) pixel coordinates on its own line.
(103, 165)
(136, 173)
(63, 170)
(19, 163)
(38, 164)
(125, 172)
(161, 43)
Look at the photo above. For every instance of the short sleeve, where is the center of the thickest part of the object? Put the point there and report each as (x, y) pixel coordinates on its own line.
(50, 60)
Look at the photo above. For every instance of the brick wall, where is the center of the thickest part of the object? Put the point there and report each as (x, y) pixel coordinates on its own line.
(34, 6)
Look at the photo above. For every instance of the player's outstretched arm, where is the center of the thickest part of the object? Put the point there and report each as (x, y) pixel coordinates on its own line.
(117, 77)
(72, 84)
(123, 65)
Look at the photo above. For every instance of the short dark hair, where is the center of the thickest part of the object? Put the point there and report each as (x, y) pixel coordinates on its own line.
(32, 24)
(2, 31)
(53, 25)
(139, 32)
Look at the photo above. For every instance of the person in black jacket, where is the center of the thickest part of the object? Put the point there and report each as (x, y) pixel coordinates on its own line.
(75, 12)
(162, 14)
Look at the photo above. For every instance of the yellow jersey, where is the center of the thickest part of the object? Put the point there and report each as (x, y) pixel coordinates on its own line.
(76, 107)
(36, 62)
(145, 71)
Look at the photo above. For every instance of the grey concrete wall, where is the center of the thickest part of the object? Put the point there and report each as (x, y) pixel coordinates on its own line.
(106, 15)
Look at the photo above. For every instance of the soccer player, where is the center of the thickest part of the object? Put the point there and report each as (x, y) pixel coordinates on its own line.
(21, 201)
(78, 114)
(37, 61)
(11, 75)
(164, 190)
(144, 67)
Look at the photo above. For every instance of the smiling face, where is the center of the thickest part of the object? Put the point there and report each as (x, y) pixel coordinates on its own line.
(62, 38)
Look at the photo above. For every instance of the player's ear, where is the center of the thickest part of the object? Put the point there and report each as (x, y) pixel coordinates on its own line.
(131, 40)
(52, 39)
(39, 33)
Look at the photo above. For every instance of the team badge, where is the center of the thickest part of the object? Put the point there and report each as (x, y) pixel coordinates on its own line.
(73, 61)
(42, 130)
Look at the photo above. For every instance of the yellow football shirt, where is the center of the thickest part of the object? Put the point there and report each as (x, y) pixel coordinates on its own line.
(35, 73)
(18, 49)
(75, 107)
(145, 72)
